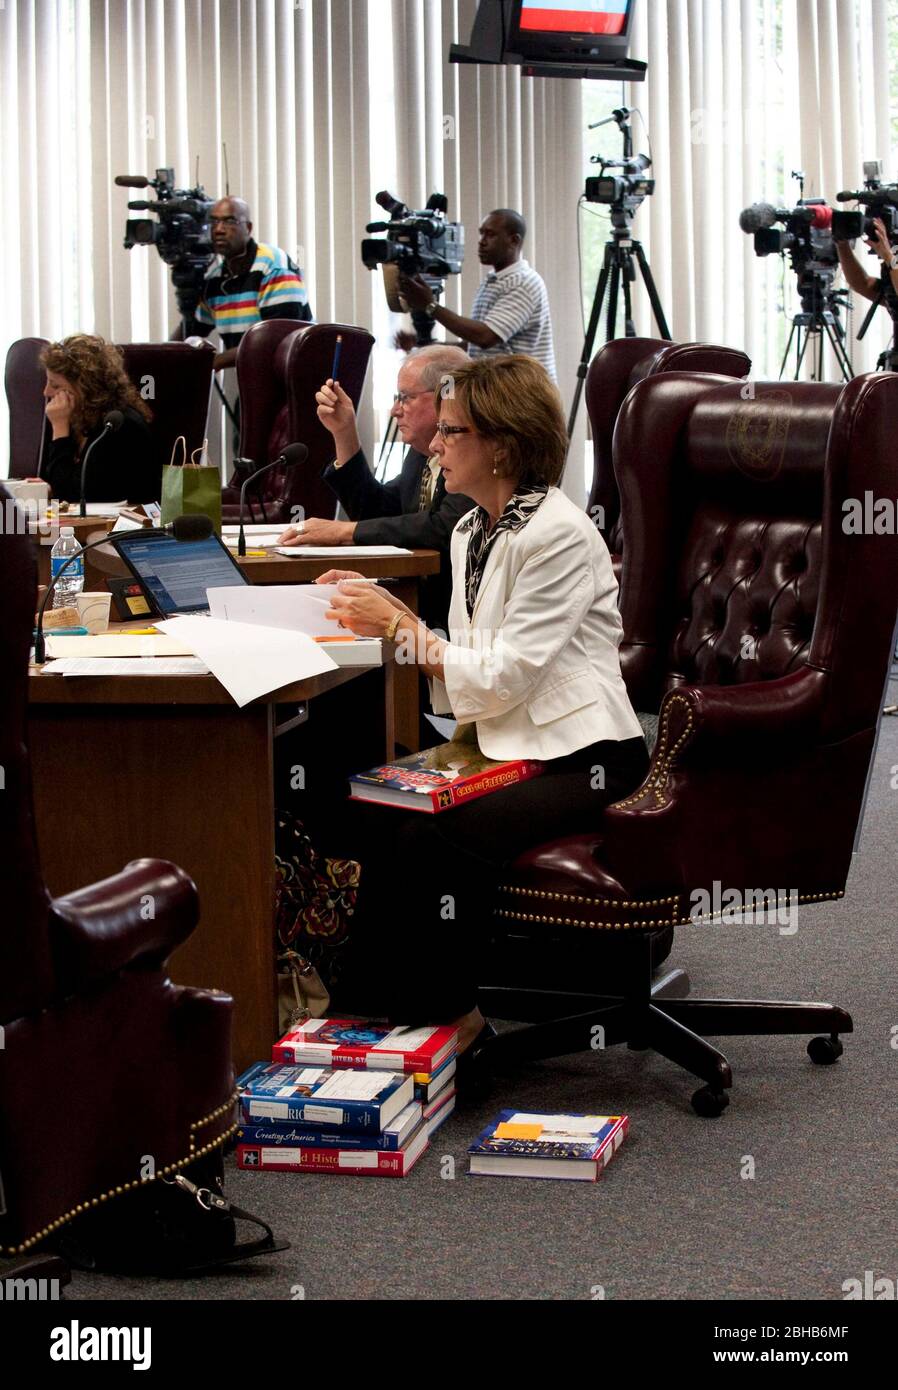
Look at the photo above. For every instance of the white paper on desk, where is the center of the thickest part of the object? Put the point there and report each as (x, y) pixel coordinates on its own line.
(256, 534)
(345, 552)
(249, 661)
(127, 666)
(124, 523)
(108, 644)
(299, 607)
(98, 509)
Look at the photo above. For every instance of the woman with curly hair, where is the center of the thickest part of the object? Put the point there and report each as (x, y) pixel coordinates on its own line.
(86, 378)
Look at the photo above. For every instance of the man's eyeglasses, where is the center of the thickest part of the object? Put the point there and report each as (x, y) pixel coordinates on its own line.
(225, 221)
(444, 431)
(403, 397)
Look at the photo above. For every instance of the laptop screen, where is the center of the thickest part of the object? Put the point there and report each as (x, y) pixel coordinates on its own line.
(176, 574)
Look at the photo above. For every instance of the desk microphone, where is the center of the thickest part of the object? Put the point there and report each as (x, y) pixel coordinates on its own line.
(112, 421)
(292, 455)
(184, 528)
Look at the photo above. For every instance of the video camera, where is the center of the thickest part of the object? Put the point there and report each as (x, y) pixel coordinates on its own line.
(181, 235)
(624, 192)
(807, 237)
(880, 200)
(417, 242)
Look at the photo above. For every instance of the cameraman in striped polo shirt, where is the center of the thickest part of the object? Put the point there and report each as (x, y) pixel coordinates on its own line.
(511, 308)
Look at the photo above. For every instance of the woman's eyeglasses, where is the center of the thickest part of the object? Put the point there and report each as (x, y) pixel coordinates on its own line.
(444, 431)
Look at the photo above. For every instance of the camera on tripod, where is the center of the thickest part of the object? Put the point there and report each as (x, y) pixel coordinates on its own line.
(625, 191)
(181, 235)
(879, 199)
(806, 235)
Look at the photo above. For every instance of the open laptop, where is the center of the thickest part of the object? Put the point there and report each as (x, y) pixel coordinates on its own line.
(174, 574)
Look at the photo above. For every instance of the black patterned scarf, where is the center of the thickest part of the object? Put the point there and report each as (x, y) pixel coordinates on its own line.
(521, 507)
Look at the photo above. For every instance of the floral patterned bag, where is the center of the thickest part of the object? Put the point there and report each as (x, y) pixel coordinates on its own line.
(315, 898)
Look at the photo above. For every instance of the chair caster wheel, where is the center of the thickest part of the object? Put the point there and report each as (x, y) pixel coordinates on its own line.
(825, 1051)
(709, 1103)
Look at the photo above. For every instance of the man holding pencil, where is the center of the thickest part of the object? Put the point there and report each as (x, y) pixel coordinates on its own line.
(413, 510)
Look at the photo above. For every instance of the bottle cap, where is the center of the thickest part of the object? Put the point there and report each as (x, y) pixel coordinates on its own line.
(67, 530)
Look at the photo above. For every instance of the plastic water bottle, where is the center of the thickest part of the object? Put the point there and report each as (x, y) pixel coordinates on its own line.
(72, 581)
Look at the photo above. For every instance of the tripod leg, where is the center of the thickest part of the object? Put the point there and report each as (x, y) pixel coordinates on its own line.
(654, 298)
(586, 355)
(788, 350)
(802, 347)
(836, 335)
(611, 327)
(628, 275)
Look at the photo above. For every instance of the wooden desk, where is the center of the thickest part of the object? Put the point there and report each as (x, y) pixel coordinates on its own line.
(402, 572)
(170, 767)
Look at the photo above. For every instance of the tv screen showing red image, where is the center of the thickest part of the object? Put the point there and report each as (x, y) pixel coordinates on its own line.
(573, 17)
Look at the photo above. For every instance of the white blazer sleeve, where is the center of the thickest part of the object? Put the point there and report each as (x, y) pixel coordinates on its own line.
(553, 591)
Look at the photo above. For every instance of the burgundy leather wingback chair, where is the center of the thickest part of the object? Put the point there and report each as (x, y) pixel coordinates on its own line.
(615, 370)
(104, 1062)
(279, 368)
(765, 631)
(176, 379)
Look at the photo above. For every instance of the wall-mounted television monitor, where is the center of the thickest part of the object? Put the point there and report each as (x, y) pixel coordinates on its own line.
(555, 38)
(575, 29)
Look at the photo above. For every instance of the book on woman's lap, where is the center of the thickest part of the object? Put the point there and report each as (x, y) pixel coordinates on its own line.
(437, 779)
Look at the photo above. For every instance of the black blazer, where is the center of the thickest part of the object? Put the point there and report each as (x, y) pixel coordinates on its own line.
(388, 514)
(124, 465)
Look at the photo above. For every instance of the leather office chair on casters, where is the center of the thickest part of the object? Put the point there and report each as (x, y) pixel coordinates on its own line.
(614, 371)
(765, 632)
(280, 366)
(104, 1062)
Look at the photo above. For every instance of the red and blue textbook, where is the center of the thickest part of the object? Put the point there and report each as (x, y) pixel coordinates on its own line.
(353, 1044)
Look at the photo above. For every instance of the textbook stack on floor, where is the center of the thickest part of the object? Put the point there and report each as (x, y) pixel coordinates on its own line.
(346, 1097)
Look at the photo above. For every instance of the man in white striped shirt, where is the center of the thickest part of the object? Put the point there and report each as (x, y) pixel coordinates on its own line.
(511, 308)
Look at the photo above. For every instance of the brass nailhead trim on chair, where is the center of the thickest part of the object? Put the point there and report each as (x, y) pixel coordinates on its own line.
(641, 926)
(137, 1182)
(662, 761)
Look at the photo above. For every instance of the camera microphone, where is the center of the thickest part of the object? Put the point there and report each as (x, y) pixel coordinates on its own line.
(757, 216)
(132, 181)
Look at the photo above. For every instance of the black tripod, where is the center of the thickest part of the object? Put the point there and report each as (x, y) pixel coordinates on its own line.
(818, 321)
(623, 255)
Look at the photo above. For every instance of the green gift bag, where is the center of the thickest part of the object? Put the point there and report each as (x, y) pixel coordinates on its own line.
(191, 488)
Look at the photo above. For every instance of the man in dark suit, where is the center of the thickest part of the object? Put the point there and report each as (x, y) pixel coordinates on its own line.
(413, 509)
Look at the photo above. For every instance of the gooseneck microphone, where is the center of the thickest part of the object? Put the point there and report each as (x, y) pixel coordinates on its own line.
(112, 421)
(292, 455)
(184, 528)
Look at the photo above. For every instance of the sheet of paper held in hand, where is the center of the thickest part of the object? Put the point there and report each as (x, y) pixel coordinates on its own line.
(299, 607)
(249, 661)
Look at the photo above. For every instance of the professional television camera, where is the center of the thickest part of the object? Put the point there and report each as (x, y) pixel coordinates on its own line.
(879, 199)
(181, 235)
(807, 237)
(416, 243)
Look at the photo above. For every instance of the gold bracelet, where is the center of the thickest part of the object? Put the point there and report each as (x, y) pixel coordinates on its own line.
(390, 633)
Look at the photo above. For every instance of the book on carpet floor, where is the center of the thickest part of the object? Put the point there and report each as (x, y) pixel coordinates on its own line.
(364, 1163)
(523, 1145)
(362, 1102)
(428, 1085)
(354, 1044)
(437, 779)
(277, 1134)
(439, 1112)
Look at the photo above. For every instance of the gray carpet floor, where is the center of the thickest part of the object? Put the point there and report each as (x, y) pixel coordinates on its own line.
(674, 1217)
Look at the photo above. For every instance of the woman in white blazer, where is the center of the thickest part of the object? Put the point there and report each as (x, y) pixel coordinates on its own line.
(530, 665)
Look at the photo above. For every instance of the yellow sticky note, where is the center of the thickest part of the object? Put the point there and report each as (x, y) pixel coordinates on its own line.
(507, 1130)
